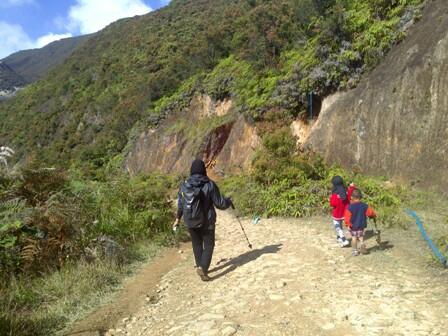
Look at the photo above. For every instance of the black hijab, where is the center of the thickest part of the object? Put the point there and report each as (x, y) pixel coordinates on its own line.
(339, 187)
(198, 168)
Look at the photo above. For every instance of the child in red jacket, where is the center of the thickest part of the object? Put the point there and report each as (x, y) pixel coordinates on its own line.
(339, 201)
(356, 220)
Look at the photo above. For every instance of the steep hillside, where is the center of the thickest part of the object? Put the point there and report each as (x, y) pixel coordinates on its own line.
(132, 77)
(9, 80)
(395, 123)
(33, 64)
(87, 106)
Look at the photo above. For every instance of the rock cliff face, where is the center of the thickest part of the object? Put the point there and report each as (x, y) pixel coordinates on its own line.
(208, 130)
(395, 123)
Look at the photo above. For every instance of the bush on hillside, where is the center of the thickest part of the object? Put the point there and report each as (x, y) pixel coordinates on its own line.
(285, 182)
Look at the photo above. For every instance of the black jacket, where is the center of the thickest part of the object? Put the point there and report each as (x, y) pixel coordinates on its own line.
(212, 198)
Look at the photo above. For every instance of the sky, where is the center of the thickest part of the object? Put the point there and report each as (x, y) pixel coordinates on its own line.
(27, 24)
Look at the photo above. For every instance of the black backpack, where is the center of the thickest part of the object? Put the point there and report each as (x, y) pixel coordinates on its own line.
(192, 205)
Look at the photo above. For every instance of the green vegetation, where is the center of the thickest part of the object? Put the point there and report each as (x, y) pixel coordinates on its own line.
(266, 55)
(442, 243)
(285, 183)
(64, 240)
(46, 304)
(51, 218)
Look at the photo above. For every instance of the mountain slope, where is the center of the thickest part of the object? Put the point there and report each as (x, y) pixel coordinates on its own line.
(265, 55)
(91, 102)
(33, 64)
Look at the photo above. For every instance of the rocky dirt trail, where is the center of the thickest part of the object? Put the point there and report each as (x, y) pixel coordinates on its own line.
(298, 281)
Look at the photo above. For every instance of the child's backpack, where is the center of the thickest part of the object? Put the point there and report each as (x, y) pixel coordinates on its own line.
(192, 205)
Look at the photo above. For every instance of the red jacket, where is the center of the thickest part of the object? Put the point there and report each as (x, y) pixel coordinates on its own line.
(339, 205)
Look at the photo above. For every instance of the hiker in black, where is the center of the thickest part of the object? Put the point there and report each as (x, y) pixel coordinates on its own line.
(198, 197)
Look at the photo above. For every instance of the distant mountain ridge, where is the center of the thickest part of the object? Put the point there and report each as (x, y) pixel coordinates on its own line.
(31, 65)
(10, 81)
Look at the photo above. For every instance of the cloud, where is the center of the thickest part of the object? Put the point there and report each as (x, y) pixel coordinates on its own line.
(13, 38)
(89, 16)
(86, 16)
(47, 39)
(13, 3)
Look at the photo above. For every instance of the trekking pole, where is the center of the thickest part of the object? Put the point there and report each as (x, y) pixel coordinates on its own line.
(377, 232)
(242, 228)
(176, 233)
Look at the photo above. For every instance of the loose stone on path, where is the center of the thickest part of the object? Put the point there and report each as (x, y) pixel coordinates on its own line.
(228, 331)
(300, 289)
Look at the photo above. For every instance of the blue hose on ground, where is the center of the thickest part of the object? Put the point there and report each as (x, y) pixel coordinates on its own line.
(431, 244)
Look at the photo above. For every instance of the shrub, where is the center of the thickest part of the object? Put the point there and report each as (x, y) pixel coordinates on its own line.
(49, 218)
(287, 183)
(65, 239)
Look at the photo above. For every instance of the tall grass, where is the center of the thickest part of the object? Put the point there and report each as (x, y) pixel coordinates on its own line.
(66, 240)
(43, 305)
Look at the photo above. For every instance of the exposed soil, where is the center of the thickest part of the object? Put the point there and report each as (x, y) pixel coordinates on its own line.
(214, 143)
(295, 281)
(227, 149)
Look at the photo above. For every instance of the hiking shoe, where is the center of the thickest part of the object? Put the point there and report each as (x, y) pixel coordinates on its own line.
(355, 253)
(202, 274)
(343, 242)
(364, 249)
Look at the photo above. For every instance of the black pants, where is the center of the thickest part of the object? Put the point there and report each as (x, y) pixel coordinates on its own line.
(203, 241)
